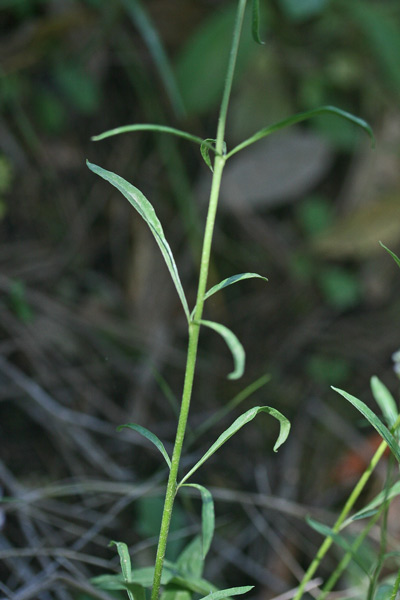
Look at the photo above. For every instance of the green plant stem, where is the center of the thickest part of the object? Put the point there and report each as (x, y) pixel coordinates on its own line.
(395, 587)
(347, 557)
(326, 544)
(194, 327)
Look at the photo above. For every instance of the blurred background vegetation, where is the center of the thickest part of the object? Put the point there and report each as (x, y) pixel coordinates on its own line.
(91, 334)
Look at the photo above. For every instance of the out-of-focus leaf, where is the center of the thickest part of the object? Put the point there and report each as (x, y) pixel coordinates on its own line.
(284, 429)
(372, 506)
(190, 561)
(382, 33)
(201, 64)
(392, 254)
(236, 348)
(340, 287)
(255, 28)
(375, 422)
(235, 591)
(384, 400)
(300, 10)
(150, 436)
(147, 212)
(140, 17)
(78, 87)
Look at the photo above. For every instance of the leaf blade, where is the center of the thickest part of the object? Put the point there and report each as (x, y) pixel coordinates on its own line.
(373, 420)
(207, 516)
(385, 400)
(392, 254)
(236, 348)
(298, 118)
(235, 591)
(236, 426)
(255, 22)
(148, 214)
(125, 562)
(150, 436)
(151, 127)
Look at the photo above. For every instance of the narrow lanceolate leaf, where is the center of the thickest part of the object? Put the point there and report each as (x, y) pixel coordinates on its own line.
(229, 281)
(147, 212)
(372, 506)
(385, 400)
(125, 562)
(235, 591)
(207, 516)
(157, 129)
(302, 117)
(375, 422)
(150, 436)
(255, 22)
(238, 424)
(392, 254)
(328, 532)
(236, 348)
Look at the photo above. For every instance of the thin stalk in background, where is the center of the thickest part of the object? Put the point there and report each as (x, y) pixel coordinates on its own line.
(326, 544)
(194, 326)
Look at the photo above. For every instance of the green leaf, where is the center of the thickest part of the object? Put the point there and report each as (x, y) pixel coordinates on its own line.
(238, 424)
(175, 592)
(255, 22)
(147, 212)
(193, 584)
(153, 127)
(229, 281)
(125, 562)
(190, 561)
(375, 422)
(297, 119)
(300, 11)
(235, 591)
(150, 436)
(207, 516)
(371, 507)
(384, 400)
(328, 532)
(236, 348)
(205, 152)
(392, 254)
(135, 591)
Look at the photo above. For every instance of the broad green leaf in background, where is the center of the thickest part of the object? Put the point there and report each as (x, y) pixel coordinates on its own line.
(135, 591)
(143, 576)
(375, 422)
(298, 119)
(255, 21)
(235, 591)
(338, 539)
(201, 64)
(174, 592)
(236, 348)
(392, 254)
(304, 9)
(150, 436)
(382, 33)
(384, 400)
(190, 561)
(147, 212)
(238, 424)
(207, 516)
(193, 584)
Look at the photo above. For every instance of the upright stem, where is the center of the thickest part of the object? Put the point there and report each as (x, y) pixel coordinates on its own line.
(194, 327)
